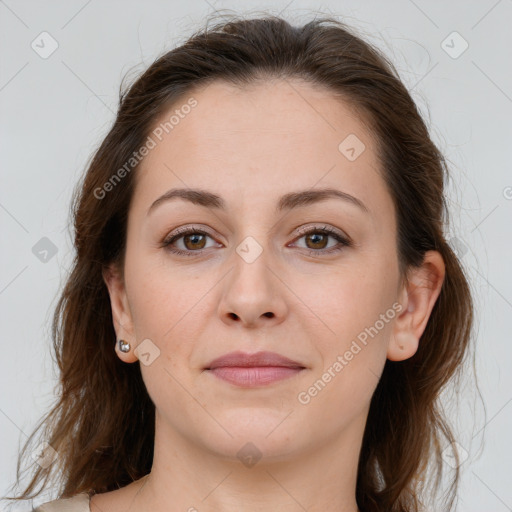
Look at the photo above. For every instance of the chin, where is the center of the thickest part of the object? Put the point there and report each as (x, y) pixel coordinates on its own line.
(255, 433)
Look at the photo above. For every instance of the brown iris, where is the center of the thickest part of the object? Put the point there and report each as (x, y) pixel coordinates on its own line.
(194, 238)
(318, 238)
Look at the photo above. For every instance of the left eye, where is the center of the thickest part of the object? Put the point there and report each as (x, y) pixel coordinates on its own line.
(316, 240)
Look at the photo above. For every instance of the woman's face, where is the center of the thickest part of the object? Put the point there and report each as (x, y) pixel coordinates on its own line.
(250, 165)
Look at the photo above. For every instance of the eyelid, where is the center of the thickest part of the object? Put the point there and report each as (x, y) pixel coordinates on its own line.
(325, 227)
(189, 228)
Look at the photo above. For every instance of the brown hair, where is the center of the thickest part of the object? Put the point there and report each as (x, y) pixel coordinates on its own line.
(102, 425)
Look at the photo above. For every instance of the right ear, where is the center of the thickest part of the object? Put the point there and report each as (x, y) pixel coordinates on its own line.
(121, 314)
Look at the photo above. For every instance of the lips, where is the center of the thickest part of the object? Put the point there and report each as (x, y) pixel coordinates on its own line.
(253, 370)
(259, 359)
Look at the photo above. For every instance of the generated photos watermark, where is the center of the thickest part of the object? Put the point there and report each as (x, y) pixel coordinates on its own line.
(304, 397)
(151, 142)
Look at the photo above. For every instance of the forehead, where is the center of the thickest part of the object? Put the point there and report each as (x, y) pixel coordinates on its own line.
(260, 141)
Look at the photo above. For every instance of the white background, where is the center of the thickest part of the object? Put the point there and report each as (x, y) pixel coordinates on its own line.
(55, 111)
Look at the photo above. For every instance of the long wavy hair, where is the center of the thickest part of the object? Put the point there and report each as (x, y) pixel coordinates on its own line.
(102, 422)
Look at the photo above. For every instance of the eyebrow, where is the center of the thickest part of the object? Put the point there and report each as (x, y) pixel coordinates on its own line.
(286, 202)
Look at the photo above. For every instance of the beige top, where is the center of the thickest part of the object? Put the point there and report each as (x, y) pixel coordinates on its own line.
(78, 503)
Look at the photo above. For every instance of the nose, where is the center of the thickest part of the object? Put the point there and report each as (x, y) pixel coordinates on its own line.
(253, 294)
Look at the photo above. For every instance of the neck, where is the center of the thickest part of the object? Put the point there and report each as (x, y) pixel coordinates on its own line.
(319, 477)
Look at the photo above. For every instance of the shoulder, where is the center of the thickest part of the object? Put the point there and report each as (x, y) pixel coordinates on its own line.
(78, 503)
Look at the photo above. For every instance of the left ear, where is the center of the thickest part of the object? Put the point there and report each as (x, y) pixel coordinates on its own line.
(418, 297)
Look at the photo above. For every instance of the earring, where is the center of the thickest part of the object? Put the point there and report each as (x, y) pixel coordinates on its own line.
(124, 346)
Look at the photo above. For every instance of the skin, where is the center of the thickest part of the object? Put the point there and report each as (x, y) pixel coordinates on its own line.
(250, 146)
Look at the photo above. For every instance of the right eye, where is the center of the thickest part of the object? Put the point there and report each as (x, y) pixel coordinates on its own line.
(193, 240)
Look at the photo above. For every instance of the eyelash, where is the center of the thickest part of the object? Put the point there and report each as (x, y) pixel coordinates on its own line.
(326, 230)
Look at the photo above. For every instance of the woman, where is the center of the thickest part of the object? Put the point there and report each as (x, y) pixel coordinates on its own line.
(263, 309)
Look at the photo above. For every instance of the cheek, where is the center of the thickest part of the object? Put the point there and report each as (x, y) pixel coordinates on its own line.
(348, 300)
(356, 320)
(164, 308)
(167, 307)
(159, 297)
(355, 317)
